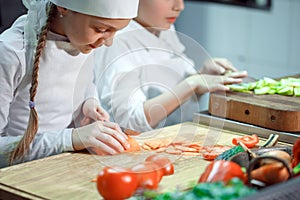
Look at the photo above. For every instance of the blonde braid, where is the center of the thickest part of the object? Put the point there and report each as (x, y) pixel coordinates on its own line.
(32, 126)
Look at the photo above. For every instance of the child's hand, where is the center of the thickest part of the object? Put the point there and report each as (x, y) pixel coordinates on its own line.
(92, 111)
(203, 83)
(106, 137)
(217, 66)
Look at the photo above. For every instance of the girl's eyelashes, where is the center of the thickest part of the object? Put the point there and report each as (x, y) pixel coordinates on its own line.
(98, 30)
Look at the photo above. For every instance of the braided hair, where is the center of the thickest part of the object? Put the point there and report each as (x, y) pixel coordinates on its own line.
(32, 127)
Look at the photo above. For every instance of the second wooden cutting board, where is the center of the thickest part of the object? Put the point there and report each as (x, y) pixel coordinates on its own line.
(276, 112)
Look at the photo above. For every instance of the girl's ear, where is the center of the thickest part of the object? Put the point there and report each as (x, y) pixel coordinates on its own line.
(62, 11)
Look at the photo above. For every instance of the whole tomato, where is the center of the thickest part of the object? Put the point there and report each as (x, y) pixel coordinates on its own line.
(116, 183)
(149, 174)
(163, 163)
(222, 170)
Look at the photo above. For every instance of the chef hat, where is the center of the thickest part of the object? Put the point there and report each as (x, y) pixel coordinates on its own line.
(37, 15)
(102, 8)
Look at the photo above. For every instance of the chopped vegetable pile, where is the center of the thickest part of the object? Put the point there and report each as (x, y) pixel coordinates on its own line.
(285, 86)
(234, 189)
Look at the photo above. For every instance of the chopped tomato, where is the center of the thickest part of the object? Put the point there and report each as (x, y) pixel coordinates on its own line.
(163, 163)
(116, 183)
(222, 170)
(149, 174)
(248, 140)
(210, 153)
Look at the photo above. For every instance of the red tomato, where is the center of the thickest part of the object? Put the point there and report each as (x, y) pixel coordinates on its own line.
(116, 183)
(149, 174)
(163, 163)
(248, 140)
(222, 170)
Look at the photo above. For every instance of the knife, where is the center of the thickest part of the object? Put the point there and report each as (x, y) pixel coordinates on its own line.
(130, 131)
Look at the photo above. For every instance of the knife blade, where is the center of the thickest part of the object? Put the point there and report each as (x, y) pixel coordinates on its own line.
(130, 131)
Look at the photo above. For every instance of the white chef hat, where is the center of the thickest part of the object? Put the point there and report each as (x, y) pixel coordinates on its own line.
(102, 8)
(37, 15)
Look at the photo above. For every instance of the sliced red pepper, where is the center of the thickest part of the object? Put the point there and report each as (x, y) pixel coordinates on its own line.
(222, 170)
(248, 140)
(296, 153)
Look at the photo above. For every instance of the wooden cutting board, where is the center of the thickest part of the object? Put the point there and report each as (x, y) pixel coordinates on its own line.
(69, 175)
(276, 112)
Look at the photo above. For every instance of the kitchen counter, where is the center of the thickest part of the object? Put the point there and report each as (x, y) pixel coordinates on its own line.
(205, 118)
(69, 175)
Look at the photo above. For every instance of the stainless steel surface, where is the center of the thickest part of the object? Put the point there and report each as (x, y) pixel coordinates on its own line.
(205, 118)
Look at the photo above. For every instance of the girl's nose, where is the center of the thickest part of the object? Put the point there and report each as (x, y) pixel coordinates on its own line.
(178, 5)
(109, 38)
(109, 42)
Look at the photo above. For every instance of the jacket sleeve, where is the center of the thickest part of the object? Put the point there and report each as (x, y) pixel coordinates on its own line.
(44, 145)
(118, 84)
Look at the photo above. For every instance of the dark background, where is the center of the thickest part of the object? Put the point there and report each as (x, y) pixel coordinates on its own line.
(257, 4)
(9, 11)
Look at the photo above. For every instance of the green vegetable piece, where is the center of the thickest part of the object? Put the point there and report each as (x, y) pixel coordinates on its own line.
(272, 91)
(238, 88)
(270, 81)
(297, 91)
(260, 83)
(235, 189)
(296, 169)
(230, 152)
(285, 86)
(202, 190)
(252, 85)
(295, 84)
(262, 90)
(286, 91)
(284, 81)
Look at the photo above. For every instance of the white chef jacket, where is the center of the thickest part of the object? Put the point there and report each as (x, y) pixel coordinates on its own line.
(64, 83)
(137, 67)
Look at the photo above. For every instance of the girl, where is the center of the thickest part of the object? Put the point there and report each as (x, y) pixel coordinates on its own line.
(148, 81)
(54, 74)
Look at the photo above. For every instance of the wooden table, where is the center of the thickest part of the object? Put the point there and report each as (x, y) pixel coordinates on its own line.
(69, 175)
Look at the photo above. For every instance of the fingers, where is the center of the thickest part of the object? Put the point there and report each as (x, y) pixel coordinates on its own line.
(219, 87)
(85, 121)
(230, 80)
(238, 74)
(215, 83)
(225, 64)
(101, 114)
(113, 138)
(106, 146)
(106, 136)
